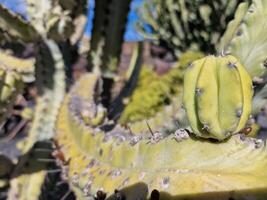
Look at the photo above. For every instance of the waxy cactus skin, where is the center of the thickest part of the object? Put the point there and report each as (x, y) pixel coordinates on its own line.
(217, 96)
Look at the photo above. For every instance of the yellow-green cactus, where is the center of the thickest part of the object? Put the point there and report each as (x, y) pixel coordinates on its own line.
(217, 96)
(178, 167)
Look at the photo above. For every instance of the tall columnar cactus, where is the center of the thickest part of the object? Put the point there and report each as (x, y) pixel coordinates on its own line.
(107, 35)
(185, 24)
(217, 96)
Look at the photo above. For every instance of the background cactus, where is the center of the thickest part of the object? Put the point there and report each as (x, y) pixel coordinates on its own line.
(184, 25)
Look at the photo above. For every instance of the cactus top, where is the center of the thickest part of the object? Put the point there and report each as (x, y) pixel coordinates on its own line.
(217, 96)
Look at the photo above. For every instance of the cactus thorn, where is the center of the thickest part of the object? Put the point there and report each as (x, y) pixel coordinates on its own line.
(198, 91)
(205, 127)
(239, 112)
(231, 64)
(66, 195)
(258, 143)
(165, 182)
(149, 128)
(75, 179)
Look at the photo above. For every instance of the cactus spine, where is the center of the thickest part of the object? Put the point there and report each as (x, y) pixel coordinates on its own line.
(217, 96)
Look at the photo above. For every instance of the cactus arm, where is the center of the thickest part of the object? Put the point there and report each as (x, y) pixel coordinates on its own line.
(78, 12)
(107, 161)
(250, 43)
(107, 36)
(25, 67)
(50, 80)
(15, 26)
(232, 26)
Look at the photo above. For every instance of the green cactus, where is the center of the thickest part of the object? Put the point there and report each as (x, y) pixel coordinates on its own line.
(177, 165)
(217, 96)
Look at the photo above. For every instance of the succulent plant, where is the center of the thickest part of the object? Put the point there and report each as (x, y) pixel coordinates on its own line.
(99, 157)
(217, 96)
(248, 44)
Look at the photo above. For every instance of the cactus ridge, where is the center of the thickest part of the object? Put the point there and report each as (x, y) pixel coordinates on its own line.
(116, 159)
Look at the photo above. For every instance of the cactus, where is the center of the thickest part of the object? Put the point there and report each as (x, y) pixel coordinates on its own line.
(218, 87)
(243, 33)
(148, 154)
(185, 24)
(107, 36)
(247, 36)
(135, 164)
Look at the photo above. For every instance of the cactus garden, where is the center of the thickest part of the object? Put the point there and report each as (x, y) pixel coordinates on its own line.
(133, 100)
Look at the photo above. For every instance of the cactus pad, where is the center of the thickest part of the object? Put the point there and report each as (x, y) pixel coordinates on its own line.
(217, 96)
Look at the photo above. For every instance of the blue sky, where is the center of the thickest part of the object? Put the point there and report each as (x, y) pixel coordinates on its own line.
(130, 35)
